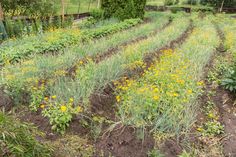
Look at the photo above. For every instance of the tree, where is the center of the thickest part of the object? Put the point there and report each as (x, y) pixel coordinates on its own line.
(98, 4)
(28, 7)
(123, 9)
(219, 3)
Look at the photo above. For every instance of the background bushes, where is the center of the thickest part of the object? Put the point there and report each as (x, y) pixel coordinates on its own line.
(123, 9)
(17, 28)
(217, 3)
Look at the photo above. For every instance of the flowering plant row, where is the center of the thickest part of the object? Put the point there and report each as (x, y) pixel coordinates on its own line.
(55, 41)
(164, 98)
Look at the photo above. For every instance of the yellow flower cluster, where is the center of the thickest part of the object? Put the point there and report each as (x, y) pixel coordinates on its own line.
(123, 84)
(51, 102)
(163, 83)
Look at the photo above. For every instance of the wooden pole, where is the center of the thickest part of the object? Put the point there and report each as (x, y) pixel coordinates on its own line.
(89, 5)
(1, 12)
(222, 4)
(98, 5)
(63, 9)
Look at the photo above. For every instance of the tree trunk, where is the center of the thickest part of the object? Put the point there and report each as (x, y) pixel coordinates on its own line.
(98, 5)
(63, 10)
(222, 4)
(89, 5)
(1, 12)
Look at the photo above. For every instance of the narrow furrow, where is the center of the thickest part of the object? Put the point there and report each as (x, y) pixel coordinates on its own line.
(112, 51)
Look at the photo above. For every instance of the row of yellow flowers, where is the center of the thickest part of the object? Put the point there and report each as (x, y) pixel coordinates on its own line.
(164, 97)
(164, 86)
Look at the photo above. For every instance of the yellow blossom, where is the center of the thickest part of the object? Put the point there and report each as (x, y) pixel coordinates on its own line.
(190, 91)
(42, 106)
(155, 90)
(79, 109)
(200, 83)
(155, 97)
(46, 98)
(54, 97)
(199, 129)
(175, 94)
(63, 108)
(71, 100)
(118, 98)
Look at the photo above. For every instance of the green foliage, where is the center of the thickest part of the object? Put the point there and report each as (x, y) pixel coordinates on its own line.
(155, 153)
(59, 114)
(185, 154)
(171, 2)
(123, 9)
(211, 128)
(22, 27)
(217, 3)
(18, 139)
(28, 7)
(175, 9)
(97, 14)
(3, 33)
(230, 81)
(57, 22)
(57, 40)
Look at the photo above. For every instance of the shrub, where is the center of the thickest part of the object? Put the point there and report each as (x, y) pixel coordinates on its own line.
(123, 9)
(57, 22)
(168, 2)
(97, 14)
(3, 34)
(230, 81)
(68, 21)
(175, 9)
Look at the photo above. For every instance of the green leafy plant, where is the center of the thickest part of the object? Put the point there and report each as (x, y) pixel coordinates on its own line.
(155, 153)
(59, 114)
(123, 9)
(211, 128)
(230, 81)
(15, 51)
(185, 154)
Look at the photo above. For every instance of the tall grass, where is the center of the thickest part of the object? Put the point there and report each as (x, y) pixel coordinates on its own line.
(19, 139)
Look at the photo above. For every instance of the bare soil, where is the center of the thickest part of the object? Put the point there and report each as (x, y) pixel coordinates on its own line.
(124, 142)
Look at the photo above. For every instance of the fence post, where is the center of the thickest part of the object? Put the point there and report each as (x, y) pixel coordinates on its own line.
(1, 12)
(3, 34)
